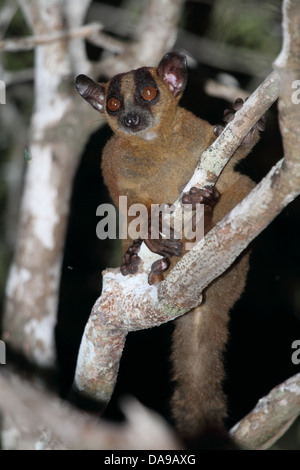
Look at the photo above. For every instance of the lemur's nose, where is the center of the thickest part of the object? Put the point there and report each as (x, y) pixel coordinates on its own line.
(131, 120)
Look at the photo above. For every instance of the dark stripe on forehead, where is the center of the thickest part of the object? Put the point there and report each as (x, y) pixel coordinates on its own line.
(143, 78)
(114, 88)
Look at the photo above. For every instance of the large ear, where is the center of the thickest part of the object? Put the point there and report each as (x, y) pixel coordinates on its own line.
(172, 70)
(92, 92)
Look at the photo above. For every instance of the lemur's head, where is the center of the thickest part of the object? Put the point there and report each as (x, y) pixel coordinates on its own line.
(139, 102)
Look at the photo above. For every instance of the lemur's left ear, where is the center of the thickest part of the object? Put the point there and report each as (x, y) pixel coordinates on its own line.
(92, 92)
(172, 70)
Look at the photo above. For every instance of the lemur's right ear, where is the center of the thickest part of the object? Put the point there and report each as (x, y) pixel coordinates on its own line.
(92, 92)
(172, 70)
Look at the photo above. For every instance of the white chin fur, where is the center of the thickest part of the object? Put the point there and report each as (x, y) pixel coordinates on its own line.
(150, 135)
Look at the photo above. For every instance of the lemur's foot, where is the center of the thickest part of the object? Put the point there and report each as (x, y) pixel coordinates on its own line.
(165, 247)
(164, 244)
(157, 270)
(208, 196)
(130, 259)
(229, 115)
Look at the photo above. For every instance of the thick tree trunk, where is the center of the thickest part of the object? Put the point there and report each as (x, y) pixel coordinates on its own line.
(56, 143)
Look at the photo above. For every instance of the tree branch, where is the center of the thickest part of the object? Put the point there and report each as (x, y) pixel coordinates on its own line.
(203, 50)
(38, 420)
(74, 13)
(213, 160)
(20, 76)
(30, 42)
(223, 91)
(288, 65)
(91, 32)
(129, 303)
(44, 421)
(6, 15)
(159, 20)
(56, 142)
(225, 56)
(271, 417)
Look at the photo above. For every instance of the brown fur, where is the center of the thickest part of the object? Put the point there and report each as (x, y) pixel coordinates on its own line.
(153, 171)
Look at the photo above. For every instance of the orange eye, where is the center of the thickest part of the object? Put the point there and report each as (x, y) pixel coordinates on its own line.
(149, 93)
(113, 104)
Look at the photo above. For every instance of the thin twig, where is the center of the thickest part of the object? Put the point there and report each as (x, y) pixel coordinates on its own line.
(30, 42)
(20, 76)
(107, 42)
(225, 92)
(159, 20)
(225, 56)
